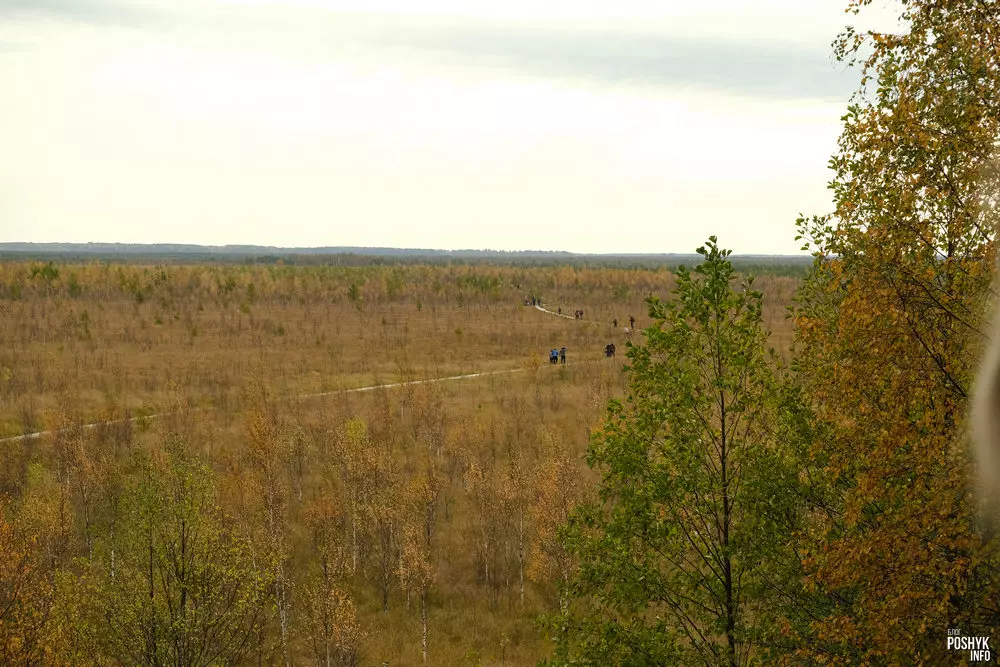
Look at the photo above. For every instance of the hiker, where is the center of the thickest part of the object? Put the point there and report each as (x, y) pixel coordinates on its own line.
(560, 310)
(581, 313)
(562, 354)
(553, 356)
(615, 322)
(612, 349)
(607, 350)
(631, 322)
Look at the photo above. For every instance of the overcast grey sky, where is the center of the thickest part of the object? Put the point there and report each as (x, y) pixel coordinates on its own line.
(611, 126)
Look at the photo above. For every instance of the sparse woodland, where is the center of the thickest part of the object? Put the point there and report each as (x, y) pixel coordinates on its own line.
(220, 512)
(772, 471)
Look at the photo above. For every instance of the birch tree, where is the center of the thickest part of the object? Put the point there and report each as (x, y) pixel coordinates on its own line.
(185, 591)
(673, 547)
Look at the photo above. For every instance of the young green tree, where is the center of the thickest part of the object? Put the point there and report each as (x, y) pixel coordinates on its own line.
(184, 590)
(672, 552)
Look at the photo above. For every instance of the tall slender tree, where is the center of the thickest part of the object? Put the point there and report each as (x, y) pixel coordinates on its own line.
(672, 552)
(330, 615)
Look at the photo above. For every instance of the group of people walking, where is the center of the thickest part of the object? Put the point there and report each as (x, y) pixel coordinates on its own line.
(558, 355)
(577, 314)
(631, 322)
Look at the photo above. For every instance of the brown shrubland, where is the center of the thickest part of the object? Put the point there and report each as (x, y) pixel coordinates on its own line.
(408, 524)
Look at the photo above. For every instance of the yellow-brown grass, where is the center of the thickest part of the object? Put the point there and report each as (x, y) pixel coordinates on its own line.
(119, 342)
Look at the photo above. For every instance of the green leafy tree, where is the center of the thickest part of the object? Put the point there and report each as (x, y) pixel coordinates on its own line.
(183, 590)
(672, 553)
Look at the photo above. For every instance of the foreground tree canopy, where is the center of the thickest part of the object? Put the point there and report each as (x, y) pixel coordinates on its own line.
(889, 327)
(880, 553)
(689, 512)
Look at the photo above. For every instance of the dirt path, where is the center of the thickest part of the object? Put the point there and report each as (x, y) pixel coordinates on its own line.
(552, 312)
(355, 390)
(385, 385)
(625, 330)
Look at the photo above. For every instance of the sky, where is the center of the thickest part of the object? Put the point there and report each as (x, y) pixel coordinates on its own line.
(590, 126)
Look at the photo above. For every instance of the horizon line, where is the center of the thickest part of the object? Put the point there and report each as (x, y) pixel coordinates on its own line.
(16, 246)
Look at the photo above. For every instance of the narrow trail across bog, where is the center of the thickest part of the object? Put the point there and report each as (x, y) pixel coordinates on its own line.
(577, 319)
(354, 390)
(625, 330)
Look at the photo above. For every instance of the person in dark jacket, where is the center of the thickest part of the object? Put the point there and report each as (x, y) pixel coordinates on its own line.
(562, 354)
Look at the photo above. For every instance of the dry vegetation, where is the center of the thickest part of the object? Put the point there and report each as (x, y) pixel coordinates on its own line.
(346, 525)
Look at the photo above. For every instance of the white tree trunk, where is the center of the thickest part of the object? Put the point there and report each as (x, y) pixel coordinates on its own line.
(423, 620)
(520, 553)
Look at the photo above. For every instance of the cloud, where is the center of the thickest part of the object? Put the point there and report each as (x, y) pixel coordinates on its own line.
(609, 57)
(578, 51)
(111, 12)
(12, 46)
